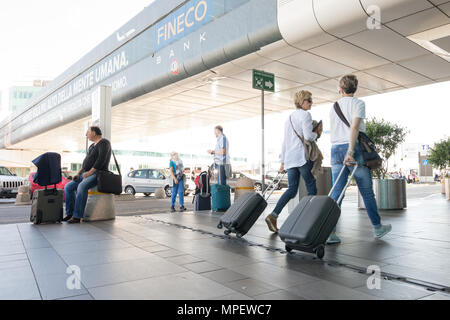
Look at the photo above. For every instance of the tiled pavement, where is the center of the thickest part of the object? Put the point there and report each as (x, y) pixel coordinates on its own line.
(140, 258)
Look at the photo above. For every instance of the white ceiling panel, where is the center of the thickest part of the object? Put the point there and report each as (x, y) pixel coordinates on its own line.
(283, 84)
(310, 62)
(291, 73)
(220, 90)
(374, 83)
(363, 92)
(395, 9)
(340, 20)
(277, 50)
(443, 43)
(349, 55)
(419, 22)
(397, 74)
(331, 85)
(237, 84)
(438, 2)
(251, 61)
(446, 8)
(430, 66)
(387, 44)
(317, 93)
(227, 69)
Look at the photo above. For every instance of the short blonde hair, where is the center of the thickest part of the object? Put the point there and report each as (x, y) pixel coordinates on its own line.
(301, 96)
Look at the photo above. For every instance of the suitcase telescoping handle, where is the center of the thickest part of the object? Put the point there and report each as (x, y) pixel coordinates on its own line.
(274, 183)
(341, 196)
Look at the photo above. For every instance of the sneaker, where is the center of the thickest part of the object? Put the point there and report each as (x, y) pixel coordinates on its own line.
(182, 209)
(67, 218)
(272, 223)
(333, 239)
(382, 230)
(172, 209)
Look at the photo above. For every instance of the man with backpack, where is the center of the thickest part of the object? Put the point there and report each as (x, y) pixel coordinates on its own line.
(346, 149)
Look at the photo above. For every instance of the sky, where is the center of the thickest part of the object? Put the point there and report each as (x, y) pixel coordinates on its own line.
(41, 39)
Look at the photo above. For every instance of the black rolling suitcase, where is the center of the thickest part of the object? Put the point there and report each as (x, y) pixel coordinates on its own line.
(47, 206)
(242, 215)
(310, 224)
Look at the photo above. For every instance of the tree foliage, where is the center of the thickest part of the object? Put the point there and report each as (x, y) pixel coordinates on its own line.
(440, 155)
(387, 138)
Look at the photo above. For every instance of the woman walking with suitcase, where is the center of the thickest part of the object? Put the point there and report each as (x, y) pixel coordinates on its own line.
(293, 156)
(177, 175)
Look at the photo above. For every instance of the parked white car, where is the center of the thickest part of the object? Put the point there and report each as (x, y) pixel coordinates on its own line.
(10, 183)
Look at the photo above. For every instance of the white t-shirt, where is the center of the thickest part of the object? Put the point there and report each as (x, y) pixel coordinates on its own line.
(351, 108)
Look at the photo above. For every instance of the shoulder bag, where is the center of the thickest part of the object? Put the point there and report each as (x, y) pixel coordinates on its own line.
(108, 182)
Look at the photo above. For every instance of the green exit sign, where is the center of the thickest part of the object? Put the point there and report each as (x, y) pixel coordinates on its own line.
(263, 81)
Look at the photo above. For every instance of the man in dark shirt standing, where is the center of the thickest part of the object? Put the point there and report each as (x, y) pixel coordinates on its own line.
(76, 191)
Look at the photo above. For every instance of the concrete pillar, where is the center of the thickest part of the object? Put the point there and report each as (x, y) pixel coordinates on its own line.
(100, 206)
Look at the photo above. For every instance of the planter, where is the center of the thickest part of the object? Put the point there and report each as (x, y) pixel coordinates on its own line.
(390, 194)
(447, 188)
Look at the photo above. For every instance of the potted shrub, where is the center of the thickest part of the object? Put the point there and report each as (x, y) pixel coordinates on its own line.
(440, 159)
(390, 193)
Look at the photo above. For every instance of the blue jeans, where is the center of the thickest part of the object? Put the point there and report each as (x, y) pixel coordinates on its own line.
(293, 181)
(178, 189)
(76, 194)
(363, 179)
(221, 174)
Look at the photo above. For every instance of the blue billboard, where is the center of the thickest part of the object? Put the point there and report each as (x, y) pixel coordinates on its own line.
(182, 22)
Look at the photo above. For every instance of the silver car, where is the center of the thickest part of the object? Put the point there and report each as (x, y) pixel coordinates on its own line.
(147, 181)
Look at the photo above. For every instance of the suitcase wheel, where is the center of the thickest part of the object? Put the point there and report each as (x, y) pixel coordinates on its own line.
(227, 232)
(288, 249)
(320, 251)
(239, 235)
(220, 226)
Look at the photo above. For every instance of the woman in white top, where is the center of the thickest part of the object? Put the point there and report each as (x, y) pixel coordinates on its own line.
(293, 158)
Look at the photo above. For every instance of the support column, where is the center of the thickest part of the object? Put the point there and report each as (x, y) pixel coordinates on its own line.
(100, 206)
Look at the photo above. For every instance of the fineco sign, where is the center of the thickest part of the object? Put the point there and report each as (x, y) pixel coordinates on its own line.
(182, 22)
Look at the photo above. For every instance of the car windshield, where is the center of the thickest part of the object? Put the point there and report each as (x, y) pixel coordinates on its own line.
(5, 172)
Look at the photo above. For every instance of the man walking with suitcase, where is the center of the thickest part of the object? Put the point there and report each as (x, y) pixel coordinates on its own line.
(76, 191)
(346, 149)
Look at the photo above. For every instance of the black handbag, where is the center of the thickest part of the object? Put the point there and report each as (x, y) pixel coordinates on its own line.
(372, 159)
(108, 182)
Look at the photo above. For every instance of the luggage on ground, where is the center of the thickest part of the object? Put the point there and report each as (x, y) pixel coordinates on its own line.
(243, 214)
(47, 204)
(310, 224)
(202, 195)
(221, 198)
